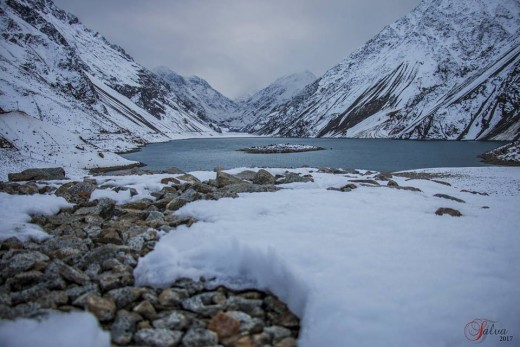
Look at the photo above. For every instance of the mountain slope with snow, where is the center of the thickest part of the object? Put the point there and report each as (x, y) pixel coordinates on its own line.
(204, 100)
(447, 70)
(61, 73)
(256, 107)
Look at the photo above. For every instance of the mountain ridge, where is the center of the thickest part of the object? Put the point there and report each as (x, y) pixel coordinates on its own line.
(416, 77)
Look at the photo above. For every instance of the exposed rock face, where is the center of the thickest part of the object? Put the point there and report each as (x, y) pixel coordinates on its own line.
(447, 70)
(46, 174)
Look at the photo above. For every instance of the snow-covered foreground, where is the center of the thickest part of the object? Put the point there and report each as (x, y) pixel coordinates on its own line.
(373, 266)
(16, 210)
(79, 329)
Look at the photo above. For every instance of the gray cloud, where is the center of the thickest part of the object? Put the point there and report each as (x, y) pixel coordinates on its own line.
(238, 46)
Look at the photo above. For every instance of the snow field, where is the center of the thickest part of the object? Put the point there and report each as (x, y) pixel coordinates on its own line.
(16, 211)
(360, 268)
(79, 329)
(367, 267)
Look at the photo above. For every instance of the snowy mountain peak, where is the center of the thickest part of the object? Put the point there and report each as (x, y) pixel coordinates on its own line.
(260, 104)
(447, 70)
(207, 102)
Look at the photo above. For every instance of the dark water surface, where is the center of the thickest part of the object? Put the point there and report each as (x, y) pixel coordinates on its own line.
(373, 154)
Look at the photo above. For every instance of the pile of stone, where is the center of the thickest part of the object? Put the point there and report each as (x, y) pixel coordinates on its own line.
(88, 264)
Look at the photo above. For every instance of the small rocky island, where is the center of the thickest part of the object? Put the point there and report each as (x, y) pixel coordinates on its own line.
(281, 148)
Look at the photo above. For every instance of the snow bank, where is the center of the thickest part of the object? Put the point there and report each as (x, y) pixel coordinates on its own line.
(374, 266)
(16, 211)
(143, 184)
(78, 329)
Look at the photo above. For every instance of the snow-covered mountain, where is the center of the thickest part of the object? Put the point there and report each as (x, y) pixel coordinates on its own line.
(450, 69)
(207, 102)
(256, 107)
(59, 72)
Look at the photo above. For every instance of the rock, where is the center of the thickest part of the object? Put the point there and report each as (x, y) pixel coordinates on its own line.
(263, 177)
(292, 177)
(170, 298)
(104, 309)
(24, 279)
(383, 176)
(245, 187)
(71, 274)
(337, 171)
(53, 299)
(105, 207)
(250, 306)
(168, 180)
(449, 197)
(189, 178)
(279, 314)
(190, 195)
(30, 294)
(225, 179)
(76, 192)
(202, 304)
(199, 338)
(412, 189)
(449, 211)
(262, 339)
(247, 323)
(124, 327)
(246, 175)
(21, 262)
(145, 309)
(111, 280)
(173, 321)
(155, 216)
(224, 326)
(124, 296)
(392, 183)
(158, 337)
(348, 187)
(56, 173)
(241, 341)
(287, 342)
(474, 192)
(110, 236)
(11, 243)
(176, 204)
(277, 333)
(75, 292)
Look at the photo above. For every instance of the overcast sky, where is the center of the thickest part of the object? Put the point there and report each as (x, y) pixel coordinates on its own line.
(238, 46)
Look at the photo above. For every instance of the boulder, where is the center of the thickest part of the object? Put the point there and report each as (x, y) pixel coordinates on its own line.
(55, 173)
(76, 192)
(263, 177)
(225, 179)
(292, 177)
(449, 211)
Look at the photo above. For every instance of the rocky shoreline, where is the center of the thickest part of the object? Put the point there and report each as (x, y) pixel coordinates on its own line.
(507, 155)
(88, 262)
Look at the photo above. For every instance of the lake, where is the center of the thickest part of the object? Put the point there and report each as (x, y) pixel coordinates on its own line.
(373, 154)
